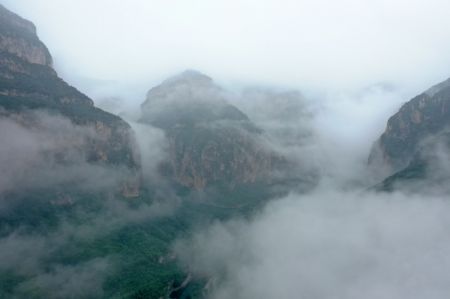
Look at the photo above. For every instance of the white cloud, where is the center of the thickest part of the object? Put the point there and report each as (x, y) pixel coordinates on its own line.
(329, 245)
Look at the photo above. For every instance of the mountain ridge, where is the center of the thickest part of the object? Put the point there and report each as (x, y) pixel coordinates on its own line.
(28, 82)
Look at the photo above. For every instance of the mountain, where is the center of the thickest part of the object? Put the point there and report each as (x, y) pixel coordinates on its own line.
(18, 37)
(211, 142)
(29, 84)
(66, 230)
(415, 139)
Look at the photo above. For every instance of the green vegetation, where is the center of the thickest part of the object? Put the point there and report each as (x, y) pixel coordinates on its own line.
(414, 172)
(137, 249)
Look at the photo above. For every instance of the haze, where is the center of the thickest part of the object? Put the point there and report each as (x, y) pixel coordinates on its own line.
(307, 43)
(351, 64)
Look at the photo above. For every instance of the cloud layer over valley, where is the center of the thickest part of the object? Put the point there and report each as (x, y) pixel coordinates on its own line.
(328, 244)
(308, 85)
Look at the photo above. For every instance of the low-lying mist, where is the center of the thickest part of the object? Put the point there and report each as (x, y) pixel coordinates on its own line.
(55, 203)
(324, 130)
(338, 241)
(328, 244)
(341, 240)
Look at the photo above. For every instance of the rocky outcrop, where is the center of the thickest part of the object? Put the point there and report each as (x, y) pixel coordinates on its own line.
(18, 37)
(428, 171)
(423, 117)
(28, 83)
(204, 156)
(211, 142)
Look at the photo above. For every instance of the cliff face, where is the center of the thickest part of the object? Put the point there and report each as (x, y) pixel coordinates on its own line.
(423, 117)
(18, 37)
(202, 156)
(29, 83)
(210, 141)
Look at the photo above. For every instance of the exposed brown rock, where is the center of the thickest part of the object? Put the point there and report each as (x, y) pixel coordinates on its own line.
(28, 82)
(423, 117)
(18, 37)
(210, 141)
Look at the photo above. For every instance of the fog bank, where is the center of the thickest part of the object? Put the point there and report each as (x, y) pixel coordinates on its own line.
(328, 245)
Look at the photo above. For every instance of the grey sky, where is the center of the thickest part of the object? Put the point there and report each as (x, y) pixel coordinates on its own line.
(297, 43)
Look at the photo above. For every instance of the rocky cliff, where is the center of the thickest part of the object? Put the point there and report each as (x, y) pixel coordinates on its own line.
(18, 37)
(423, 117)
(211, 142)
(29, 83)
(414, 150)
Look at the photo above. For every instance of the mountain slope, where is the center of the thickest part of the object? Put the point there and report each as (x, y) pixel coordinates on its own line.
(415, 145)
(211, 142)
(29, 83)
(65, 231)
(422, 117)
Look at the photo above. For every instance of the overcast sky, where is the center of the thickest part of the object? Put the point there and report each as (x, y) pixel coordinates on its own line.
(297, 43)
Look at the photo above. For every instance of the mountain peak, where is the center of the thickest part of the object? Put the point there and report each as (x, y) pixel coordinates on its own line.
(189, 85)
(186, 99)
(211, 142)
(438, 87)
(14, 20)
(28, 84)
(18, 37)
(190, 76)
(187, 82)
